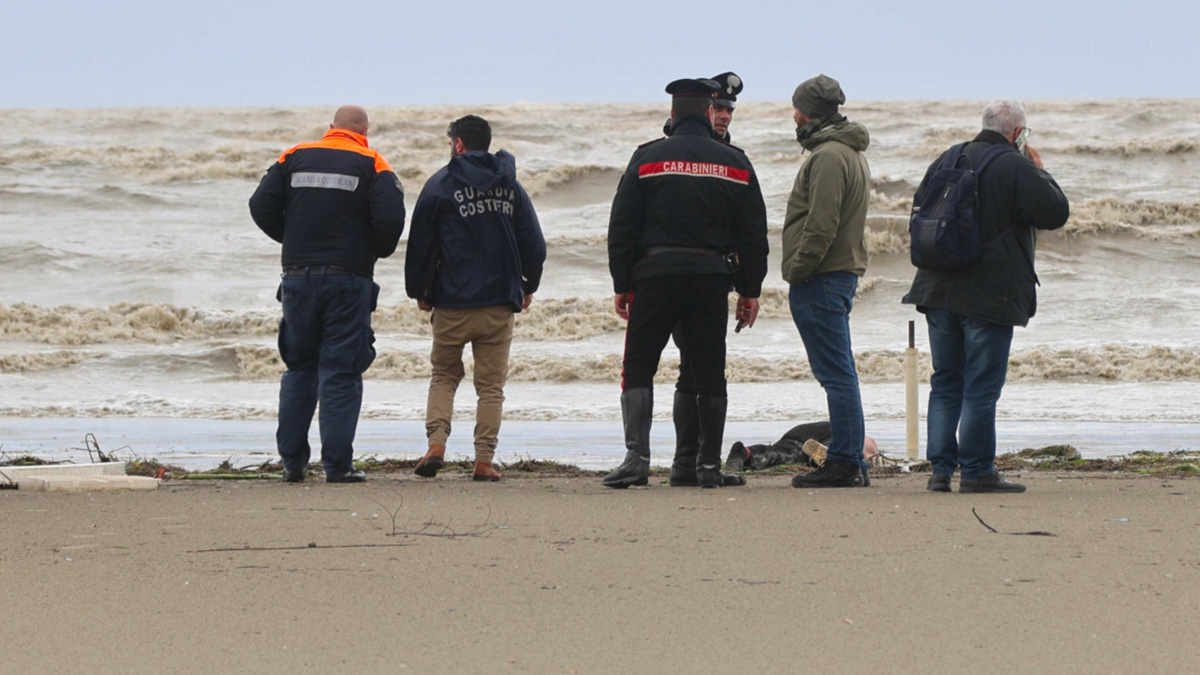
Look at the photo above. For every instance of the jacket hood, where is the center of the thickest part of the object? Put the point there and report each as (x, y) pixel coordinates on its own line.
(847, 133)
(483, 170)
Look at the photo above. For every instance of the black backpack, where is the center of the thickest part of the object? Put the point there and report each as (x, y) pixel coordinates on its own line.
(944, 229)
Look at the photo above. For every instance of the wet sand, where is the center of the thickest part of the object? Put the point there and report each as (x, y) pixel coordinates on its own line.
(557, 575)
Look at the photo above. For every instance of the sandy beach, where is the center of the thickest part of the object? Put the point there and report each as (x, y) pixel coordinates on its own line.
(559, 575)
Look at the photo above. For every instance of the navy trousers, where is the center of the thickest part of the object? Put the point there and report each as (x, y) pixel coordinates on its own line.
(326, 342)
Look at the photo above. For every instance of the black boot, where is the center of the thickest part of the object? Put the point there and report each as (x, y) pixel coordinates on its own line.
(712, 434)
(687, 440)
(637, 407)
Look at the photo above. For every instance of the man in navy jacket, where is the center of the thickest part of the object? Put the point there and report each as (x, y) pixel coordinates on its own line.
(337, 207)
(475, 256)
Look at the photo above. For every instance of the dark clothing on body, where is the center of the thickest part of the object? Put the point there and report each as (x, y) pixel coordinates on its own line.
(790, 448)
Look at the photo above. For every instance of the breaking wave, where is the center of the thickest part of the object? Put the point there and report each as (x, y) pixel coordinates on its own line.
(32, 363)
(158, 164)
(547, 320)
(1166, 146)
(1112, 363)
(1140, 217)
(579, 182)
(128, 322)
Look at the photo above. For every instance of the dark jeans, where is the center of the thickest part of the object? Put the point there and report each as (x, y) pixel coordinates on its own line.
(326, 341)
(695, 305)
(821, 310)
(970, 362)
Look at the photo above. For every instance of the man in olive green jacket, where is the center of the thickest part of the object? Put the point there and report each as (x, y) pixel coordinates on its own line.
(823, 256)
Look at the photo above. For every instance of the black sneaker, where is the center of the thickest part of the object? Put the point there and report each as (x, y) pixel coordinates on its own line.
(938, 484)
(831, 474)
(290, 476)
(989, 483)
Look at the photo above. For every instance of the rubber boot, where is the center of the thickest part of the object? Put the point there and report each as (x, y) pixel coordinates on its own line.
(637, 407)
(687, 440)
(712, 434)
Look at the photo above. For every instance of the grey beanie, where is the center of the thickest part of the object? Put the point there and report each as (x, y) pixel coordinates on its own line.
(818, 97)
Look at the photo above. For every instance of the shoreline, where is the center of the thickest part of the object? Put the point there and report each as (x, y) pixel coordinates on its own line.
(1179, 464)
(202, 444)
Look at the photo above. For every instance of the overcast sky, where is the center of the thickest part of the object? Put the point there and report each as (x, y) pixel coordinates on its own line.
(299, 52)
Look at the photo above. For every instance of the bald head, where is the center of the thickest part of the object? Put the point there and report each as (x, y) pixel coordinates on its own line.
(350, 118)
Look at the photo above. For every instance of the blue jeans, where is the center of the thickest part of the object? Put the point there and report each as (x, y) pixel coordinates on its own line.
(970, 362)
(326, 341)
(821, 309)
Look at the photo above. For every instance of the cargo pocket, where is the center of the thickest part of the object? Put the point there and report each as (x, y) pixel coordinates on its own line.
(282, 341)
(366, 350)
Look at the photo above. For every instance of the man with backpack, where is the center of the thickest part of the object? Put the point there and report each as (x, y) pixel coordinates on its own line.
(474, 259)
(973, 289)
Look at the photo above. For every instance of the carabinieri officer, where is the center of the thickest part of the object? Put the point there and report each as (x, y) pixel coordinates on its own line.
(688, 221)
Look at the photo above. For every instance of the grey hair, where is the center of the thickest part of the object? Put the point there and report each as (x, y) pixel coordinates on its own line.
(1004, 116)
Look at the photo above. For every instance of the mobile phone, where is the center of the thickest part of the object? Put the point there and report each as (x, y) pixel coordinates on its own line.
(740, 325)
(1023, 141)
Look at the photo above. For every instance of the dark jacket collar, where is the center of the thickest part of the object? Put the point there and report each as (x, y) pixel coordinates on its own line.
(991, 137)
(692, 124)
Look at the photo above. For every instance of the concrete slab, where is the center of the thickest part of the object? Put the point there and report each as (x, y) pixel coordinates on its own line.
(86, 483)
(14, 474)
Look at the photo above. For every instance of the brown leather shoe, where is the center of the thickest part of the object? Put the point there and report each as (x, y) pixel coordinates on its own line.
(428, 466)
(484, 471)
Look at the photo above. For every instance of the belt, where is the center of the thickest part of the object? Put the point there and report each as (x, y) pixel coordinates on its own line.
(316, 270)
(657, 250)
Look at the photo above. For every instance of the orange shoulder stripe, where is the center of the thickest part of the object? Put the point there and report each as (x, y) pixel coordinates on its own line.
(341, 142)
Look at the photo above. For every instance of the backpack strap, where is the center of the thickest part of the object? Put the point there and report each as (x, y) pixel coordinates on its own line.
(950, 159)
(990, 153)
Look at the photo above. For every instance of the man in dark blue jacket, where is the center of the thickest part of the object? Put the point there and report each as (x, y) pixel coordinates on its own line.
(337, 207)
(971, 312)
(475, 256)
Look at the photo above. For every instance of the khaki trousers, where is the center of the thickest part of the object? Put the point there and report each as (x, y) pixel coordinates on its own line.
(489, 331)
